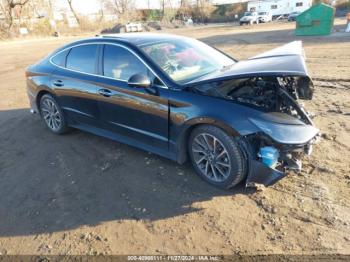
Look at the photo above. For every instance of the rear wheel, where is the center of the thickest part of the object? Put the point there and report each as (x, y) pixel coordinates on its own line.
(52, 114)
(216, 157)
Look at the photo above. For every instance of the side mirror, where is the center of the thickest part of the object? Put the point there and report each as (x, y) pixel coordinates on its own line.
(139, 80)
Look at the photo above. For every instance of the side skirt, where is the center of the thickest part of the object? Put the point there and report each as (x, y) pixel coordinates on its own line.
(124, 140)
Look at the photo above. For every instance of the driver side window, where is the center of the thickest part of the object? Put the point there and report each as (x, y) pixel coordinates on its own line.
(121, 64)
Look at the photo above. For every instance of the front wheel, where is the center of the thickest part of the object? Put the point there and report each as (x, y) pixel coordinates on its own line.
(216, 156)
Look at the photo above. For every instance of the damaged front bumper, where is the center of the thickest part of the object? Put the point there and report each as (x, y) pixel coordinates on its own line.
(259, 173)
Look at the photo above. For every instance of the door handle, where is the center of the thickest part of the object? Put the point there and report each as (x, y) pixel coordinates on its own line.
(105, 92)
(58, 83)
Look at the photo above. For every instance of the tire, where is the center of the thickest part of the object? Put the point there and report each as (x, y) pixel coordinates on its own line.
(222, 165)
(52, 115)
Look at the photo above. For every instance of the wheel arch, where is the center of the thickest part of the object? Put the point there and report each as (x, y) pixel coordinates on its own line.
(43, 91)
(182, 141)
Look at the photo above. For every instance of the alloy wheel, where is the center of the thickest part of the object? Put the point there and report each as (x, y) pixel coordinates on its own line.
(211, 157)
(51, 114)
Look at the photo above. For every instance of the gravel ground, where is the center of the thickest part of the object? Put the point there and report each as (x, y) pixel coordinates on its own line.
(82, 194)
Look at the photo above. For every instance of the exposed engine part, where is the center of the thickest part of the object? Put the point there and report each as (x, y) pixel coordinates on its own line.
(269, 94)
(291, 163)
(269, 156)
(256, 92)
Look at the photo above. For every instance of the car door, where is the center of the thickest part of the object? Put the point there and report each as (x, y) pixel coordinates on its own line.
(74, 83)
(137, 114)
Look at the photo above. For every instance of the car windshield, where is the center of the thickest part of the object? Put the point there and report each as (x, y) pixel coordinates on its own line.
(248, 14)
(184, 60)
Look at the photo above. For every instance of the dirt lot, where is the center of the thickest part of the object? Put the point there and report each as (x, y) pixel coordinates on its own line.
(82, 194)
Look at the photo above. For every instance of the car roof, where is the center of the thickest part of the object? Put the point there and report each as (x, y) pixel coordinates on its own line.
(129, 39)
(139, 39)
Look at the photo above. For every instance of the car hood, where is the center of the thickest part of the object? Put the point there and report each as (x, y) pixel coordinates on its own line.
(287, 60)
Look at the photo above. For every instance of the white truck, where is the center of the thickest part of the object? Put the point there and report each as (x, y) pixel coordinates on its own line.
(265, 17)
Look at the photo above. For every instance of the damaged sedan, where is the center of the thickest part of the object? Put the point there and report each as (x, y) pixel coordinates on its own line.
(236, 121)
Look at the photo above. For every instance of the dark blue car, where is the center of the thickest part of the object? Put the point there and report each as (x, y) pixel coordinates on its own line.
(180, 98)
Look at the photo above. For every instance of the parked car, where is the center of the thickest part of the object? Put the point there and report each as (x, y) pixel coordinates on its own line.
(180, 98)
(265, 17)
(293, 16)
(249, 18)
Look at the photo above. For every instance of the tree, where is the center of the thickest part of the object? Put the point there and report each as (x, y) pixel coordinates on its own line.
(167, 9)
(203, 9)
(8, 7)
(185, 9)
(125, 9)
(70, 3)
(121, 6)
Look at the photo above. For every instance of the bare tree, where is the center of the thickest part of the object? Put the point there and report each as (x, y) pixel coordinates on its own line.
(167, 10)
(70, 3)
(105, 5)
(125, 9)
(8, 7)
(121, 6)
(162, 3)
(185, 9)
(203, 9)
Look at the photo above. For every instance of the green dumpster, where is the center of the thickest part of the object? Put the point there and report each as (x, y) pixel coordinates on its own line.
(317, 20)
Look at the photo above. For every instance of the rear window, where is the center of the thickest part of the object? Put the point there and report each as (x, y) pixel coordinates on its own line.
(60, 58)
(82, 58)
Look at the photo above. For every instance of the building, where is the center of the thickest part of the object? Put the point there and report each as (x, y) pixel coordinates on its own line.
(279, 7)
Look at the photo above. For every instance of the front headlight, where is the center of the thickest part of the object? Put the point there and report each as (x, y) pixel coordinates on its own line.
(286, 134)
